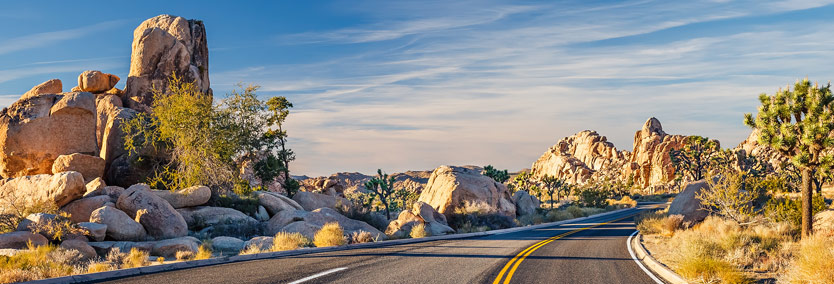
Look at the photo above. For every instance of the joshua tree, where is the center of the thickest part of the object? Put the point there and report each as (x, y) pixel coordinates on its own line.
(499, 176)
(382, 186)
(693, 160)
(798, 123)
(552, 185)
(523, 181)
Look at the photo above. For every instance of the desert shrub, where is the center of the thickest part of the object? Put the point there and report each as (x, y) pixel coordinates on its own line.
(160, 260)
(184, 255)
(531, 219)
(625, 202)
(203, 251)
(495, 174)
(558, 215)
(289, 241)
(135, 258)
(362, 237)
(95, 267)
(593, 197)
(38, 263)
(419, 231)
(782, 209)
(658, 223)
(253, 250)
(17, 207)
(813, 262)
(478, 217)
(331, 234)
(575, 211)
(58, 228)
(728, 196)
(244, 203)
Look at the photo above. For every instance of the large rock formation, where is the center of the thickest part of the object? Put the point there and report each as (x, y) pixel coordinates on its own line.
(163, 46)
(576, 158)
(650, 163)
(37, 190)
(91, 167)
(311, 201)
(452, 187)
(765, 154)
(420, 213)
(53, 86)
(119, 225)
(34, 131)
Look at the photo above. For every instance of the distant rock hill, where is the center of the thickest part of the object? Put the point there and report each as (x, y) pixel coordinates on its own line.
(587, 155)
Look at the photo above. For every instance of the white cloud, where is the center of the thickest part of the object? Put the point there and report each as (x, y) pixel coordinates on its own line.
(37, 40)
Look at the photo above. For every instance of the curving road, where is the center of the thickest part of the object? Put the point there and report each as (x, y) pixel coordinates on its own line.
(590, 251)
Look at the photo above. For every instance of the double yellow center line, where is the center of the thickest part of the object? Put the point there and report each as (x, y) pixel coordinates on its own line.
(516, 261)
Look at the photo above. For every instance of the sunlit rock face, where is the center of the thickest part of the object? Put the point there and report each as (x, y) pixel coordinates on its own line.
(35, 130)
(578, 157)
(163, 46)
(650, 163)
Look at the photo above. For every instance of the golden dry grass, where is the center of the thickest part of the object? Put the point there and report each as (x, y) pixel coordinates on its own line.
(331, 234)
(419, 231)
(813, 262)
(136, 258)
(289, 241)
(203, 252)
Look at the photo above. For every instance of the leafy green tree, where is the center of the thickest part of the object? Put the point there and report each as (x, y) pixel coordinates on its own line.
(553, 185)
(693, 160)
(798, 123)
(383, 187)
(276, 138)
(499, 176)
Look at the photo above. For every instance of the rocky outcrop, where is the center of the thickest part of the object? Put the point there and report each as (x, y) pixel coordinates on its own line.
(96, 82)
(452, 187)
(275, 202)
(525, 204)
(20, 239)
(53, 86)
(227, 244)
(119, 225)
(261, 242)
(186, 197)
(81, 209)
(28, 191)
(421, 212)
(209, 216)
(340, 184)
(94, 231)
(162, 46)
(308, 222)
(687, 204)
(90, 167)
(650, 163)
(159, 219)
(312, 201)
(34, 131)
(576, 158)
(169, 248)
(770, 157)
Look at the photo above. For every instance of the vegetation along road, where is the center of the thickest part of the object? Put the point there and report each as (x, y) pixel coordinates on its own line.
(593, 250)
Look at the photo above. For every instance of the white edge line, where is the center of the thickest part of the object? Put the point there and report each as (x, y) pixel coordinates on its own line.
(634, 257)
(317, 275)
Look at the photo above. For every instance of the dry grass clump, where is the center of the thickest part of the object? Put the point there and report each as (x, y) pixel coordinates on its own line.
(184, 255)
(813, 262)
(331, 234)
(625, 202)
(362, 237)
(136, 258)
(95, 267)
(203, 251)
(653, 223)
(718, 249)
(289, 241)
(38, 263)
(419, 231)
(253, 249)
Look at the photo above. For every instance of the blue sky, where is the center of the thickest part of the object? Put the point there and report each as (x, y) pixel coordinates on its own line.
(403, 85)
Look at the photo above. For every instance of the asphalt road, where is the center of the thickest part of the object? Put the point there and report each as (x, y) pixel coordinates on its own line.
(591, 251)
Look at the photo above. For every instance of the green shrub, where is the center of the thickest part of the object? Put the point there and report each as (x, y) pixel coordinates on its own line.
(558, 215)
(244, 203)
(575, 211)
(782, 209)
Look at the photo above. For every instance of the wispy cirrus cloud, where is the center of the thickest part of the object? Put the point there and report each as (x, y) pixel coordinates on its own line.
(42, 39)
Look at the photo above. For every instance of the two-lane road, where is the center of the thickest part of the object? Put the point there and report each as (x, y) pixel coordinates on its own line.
(588, 251)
